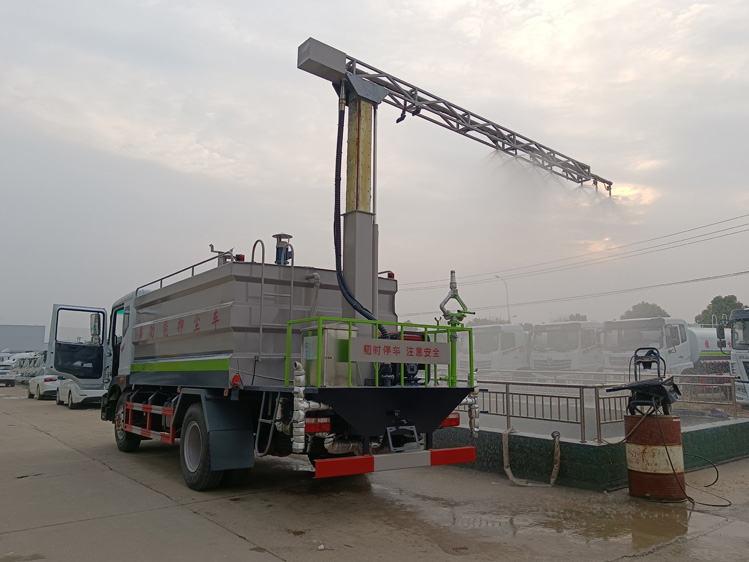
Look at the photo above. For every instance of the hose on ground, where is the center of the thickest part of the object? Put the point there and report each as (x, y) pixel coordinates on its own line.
(520, 481)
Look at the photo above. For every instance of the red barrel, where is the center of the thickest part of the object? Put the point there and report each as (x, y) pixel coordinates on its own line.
(655, 458)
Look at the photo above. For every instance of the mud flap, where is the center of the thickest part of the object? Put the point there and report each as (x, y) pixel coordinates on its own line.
(230, 431)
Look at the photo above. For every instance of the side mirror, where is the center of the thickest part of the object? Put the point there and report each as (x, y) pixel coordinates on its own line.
(721, 333)
(95, 327)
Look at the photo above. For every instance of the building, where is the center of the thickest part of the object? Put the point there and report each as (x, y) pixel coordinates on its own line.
(16, 338)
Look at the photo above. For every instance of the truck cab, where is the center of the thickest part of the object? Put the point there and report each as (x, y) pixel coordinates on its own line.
(676, 343)
(567, 346)
(738, 337)
(496, 348)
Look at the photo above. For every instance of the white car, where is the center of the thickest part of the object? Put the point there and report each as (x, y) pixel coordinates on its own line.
(42, 387)
(6, 377)
(68, 392)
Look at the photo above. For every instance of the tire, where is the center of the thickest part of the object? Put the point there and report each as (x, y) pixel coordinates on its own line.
(236, 477)
(126, 442)
(38, 394)
(195, 452)
(28, 393)
(71, 405)
(57, 398)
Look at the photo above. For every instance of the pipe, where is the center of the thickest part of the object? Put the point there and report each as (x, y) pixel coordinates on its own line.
(355, 304)
(473, 413)
(301, 407)
(520, 481)
(315, 278)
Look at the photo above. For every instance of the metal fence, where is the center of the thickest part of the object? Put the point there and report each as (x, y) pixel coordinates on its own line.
(571, 400)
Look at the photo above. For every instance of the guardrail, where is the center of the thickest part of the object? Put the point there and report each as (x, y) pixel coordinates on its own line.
(432, 347)
(567, 402)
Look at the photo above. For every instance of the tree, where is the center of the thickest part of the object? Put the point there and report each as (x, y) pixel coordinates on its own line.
(479, 321)
(570, 318)
(718, 307)
(644, 310)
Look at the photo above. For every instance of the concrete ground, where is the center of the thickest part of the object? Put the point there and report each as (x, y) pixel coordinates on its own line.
(68, 494)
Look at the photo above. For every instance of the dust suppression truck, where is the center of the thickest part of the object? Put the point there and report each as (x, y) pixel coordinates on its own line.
(567, 346)
(248, 359)
(676, 343)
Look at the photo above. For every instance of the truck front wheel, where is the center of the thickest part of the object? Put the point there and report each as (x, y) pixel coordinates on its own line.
(126, 442)
(195, 452)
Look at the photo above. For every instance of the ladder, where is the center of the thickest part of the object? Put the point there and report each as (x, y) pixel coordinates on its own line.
(271, 399)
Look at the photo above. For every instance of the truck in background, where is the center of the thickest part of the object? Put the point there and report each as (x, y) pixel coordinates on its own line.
(567, 346)
(21, 367)
(676, 343)
(496, 348)
(712, 360)
(738, 322)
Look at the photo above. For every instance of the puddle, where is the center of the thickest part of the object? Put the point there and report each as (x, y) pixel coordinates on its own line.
(591, 519)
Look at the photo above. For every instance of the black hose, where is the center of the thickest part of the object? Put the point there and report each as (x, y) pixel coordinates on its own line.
(355, 304)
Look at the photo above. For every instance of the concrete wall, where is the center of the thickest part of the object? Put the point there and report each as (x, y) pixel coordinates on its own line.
(588, 465)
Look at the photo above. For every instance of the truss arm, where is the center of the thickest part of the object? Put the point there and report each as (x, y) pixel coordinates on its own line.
(334, 65)
(413, 100)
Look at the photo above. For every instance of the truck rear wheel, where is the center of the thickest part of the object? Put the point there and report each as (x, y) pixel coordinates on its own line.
(195, 452)
(126, 442)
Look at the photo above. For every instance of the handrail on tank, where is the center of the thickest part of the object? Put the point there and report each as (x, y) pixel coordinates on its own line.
(190, 268)
(434, 330)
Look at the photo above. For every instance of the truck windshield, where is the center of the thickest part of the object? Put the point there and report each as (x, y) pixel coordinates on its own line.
(630, 336)
(740, 334)
(485, 341)
(556, 338)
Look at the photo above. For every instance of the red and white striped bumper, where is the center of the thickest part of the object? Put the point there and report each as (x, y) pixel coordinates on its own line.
(326, 468)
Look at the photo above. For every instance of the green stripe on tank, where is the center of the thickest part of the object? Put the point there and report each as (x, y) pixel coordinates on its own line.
(182, 366)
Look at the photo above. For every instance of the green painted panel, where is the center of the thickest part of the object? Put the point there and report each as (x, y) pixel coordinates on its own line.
(182, 366)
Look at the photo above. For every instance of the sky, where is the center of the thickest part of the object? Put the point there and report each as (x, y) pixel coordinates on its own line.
(134, 134)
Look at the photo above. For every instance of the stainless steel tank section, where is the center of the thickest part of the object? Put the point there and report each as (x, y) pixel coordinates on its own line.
(209, 325)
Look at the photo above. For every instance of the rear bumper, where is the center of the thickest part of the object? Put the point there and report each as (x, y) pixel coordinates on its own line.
(327, 468)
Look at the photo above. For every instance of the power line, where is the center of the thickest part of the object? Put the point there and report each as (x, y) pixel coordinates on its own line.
(602, 294)
(589, 253)
(634, 253)
(625, 255)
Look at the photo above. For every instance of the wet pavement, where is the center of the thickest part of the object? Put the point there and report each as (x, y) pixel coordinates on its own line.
(66, 493)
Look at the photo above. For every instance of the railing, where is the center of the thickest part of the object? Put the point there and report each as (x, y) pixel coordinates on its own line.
(434, 346)
(708, 390)
(226, 256)
(569, 403)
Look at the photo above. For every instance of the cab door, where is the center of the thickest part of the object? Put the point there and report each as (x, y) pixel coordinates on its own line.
(76, 344)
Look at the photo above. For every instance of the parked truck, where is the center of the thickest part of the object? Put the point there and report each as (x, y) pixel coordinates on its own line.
(738, 342)
(676, 343)
(249, 359)
(712, 359)
(496, 348)
(567, 346)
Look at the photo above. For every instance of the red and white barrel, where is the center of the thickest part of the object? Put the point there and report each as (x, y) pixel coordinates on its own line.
(655, 458)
